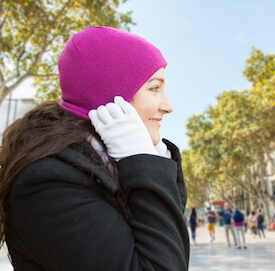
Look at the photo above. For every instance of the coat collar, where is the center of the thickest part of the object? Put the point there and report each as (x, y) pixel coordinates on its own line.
(77, 159)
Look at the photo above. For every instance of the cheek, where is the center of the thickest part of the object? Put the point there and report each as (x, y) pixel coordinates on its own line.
(145, 104)
(145, 112)
(140, 106)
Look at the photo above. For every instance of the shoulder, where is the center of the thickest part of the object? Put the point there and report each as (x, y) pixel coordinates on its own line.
(173, 149)
(67, 167)
(176, 156)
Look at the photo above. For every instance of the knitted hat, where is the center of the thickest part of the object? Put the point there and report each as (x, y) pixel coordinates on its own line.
(99, 63)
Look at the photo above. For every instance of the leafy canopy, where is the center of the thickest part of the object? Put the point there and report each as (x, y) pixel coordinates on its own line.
(34, 32)
(231, 143)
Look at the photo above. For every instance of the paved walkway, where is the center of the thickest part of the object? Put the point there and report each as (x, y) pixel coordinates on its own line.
(259, 255)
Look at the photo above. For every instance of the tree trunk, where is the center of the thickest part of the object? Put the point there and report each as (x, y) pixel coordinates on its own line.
(267, 214)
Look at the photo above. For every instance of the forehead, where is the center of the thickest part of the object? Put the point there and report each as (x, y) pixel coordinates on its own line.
(158, 75)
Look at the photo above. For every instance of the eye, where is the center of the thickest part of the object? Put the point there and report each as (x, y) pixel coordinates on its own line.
(155, 88)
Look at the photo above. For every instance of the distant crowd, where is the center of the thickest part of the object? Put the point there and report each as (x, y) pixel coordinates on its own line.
(235, 224)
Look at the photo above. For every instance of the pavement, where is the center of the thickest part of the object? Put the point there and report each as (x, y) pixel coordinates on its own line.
(216, 256)
(259, 255)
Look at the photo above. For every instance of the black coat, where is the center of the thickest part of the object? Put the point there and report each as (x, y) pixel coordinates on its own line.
(64, 219)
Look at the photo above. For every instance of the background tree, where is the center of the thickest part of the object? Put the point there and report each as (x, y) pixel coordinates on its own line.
(244, 159)
(33, 34)
(196, 186)
(259, 67)
(232, 143)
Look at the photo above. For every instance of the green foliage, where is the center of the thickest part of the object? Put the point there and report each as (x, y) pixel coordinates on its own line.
(196, 186)
(259, 67)
(231, 143)
(33, 34)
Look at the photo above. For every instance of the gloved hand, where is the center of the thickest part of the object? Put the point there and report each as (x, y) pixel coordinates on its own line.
(121, 129)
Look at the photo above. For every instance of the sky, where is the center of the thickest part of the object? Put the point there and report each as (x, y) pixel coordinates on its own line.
(206, 44)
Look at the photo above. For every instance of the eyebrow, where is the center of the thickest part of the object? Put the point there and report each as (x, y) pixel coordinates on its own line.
(155, 78)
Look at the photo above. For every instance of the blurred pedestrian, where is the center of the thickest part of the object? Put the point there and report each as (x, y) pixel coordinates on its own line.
(211, 219)
(225, 215)
(252, 223)
(272, 222)
(193, 222)
(238, 218)
(260, 223)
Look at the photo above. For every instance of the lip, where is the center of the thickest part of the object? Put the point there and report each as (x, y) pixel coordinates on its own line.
(155, 121)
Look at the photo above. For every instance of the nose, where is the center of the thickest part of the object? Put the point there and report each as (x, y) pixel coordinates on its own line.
(166, 106)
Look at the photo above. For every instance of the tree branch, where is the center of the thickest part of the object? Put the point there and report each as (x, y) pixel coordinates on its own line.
(7, 90)
(269, 158)
(43, 75)
(39, 56)
(5, 16)
(241, 185)
(7, 81)
(2, 79)
(17, 83)
(61, 10)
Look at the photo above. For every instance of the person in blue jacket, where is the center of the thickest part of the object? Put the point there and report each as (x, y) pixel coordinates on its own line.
(88, 183)
(226, 215)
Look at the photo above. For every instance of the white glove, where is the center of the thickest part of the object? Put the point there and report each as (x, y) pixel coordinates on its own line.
(121, 129)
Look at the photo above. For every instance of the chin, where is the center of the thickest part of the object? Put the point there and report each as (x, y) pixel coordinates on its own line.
(156, 140)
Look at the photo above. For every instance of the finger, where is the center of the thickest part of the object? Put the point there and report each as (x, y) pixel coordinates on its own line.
(125, 106)
(115, 111)
(93, 117)
(104, 115)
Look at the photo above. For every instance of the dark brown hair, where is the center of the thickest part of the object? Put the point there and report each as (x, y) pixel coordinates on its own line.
(193, 212)
(43, 131)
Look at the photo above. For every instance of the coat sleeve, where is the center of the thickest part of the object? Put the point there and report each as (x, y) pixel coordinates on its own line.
(63, 224)
(156, 213)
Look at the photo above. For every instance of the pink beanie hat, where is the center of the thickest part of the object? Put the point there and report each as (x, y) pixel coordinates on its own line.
(99, 63)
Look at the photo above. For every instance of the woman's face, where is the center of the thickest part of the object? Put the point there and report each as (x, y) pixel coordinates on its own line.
(152, 103)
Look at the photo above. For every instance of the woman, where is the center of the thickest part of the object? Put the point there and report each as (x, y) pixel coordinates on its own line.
(193, 223)
(252, 223)
(260, 223)
(106, 196)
